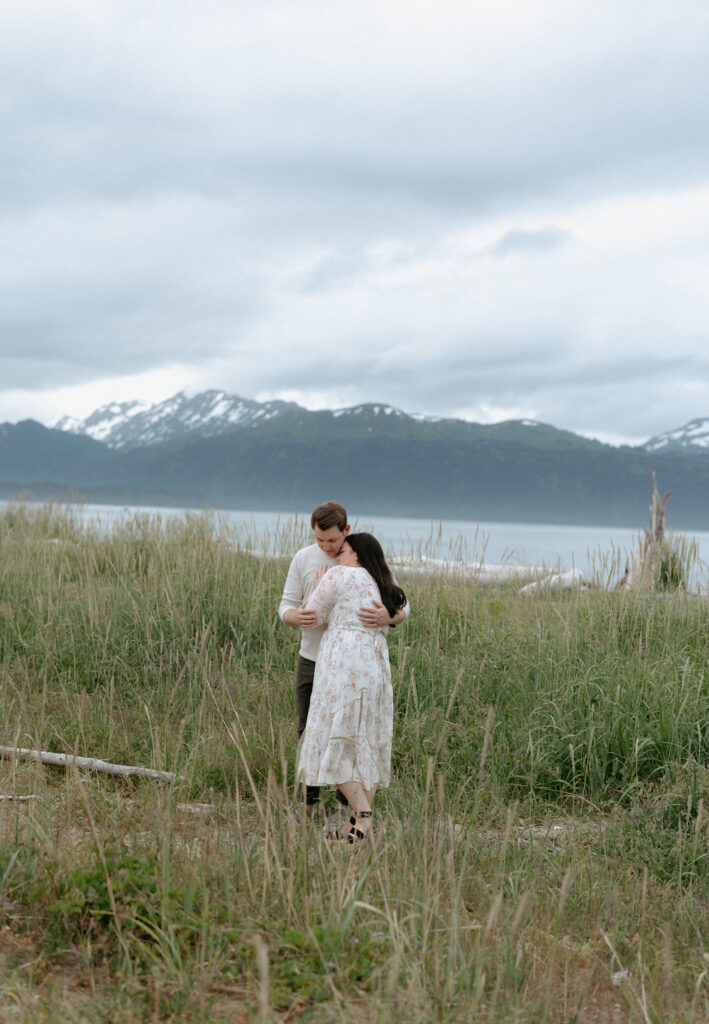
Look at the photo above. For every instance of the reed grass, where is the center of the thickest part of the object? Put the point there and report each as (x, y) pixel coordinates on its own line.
(541, 855)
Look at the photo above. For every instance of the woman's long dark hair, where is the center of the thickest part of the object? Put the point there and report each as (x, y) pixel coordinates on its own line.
(371, 557)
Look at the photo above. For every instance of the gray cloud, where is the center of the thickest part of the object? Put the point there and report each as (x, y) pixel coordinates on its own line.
(479, 209)
(538, 240)
(457, 137)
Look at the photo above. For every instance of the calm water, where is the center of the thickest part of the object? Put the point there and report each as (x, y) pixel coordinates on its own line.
(592, 549)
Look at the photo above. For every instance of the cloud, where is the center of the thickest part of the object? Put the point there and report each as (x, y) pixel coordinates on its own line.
(522, 240)
(477, 207)
(455, 110)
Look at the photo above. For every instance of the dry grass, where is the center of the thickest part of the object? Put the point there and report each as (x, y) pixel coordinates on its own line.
(540, 856)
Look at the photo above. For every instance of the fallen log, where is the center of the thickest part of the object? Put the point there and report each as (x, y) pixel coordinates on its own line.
(94, 764)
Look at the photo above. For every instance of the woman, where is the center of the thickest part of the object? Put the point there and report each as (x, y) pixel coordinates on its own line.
(347, 739)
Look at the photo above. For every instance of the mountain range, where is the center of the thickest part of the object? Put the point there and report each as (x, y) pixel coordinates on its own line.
(131, 424)
(221, 450)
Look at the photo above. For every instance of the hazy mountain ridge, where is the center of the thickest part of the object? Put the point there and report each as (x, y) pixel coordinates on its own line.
(213, 413)
(225, 452)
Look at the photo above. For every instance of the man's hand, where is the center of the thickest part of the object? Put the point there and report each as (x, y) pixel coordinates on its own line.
(374, 615)
(302, 617)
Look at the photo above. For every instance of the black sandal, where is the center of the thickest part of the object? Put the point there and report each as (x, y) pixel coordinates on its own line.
(336, 830)
(356, 835)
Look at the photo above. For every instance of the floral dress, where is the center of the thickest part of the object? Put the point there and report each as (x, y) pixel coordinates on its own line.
(350, 722)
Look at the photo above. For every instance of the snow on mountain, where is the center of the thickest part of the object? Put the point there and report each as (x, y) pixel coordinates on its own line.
(209, 413)
(102, 422)
(693, 437)
(372, 409)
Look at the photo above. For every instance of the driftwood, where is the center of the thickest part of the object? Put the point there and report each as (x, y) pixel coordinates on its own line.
(642, 572)
(485, 573)
(480, 572)
(94, 764)
(557, 581)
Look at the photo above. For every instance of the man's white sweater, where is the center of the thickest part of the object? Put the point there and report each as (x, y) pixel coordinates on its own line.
(300, 583)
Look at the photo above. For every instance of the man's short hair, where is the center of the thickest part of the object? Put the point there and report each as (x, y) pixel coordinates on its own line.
(331, 513)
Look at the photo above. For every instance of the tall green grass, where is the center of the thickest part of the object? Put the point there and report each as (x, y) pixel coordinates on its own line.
(159, 645)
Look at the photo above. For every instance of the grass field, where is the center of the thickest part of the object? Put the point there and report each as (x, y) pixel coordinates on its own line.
(542, 853)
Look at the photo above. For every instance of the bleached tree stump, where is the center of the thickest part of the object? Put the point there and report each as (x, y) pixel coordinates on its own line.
(644, 570)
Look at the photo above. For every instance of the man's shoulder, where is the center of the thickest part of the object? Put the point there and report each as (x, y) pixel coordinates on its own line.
(310, 549)
(306, 553)
(310, 555)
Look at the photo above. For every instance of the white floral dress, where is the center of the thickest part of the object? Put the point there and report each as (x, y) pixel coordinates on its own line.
(350, 721)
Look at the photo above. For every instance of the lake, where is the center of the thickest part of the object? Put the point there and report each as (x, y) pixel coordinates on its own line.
(592, 549)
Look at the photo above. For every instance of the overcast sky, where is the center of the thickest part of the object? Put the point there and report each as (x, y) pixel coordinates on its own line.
(462, 208)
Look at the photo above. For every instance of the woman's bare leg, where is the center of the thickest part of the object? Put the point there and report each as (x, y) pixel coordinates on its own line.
(359, 798)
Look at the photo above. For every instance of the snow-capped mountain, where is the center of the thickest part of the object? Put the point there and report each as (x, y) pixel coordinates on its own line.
(130, 425)
(691, 438)
(101, 423)
(374, 409)
(208, 414)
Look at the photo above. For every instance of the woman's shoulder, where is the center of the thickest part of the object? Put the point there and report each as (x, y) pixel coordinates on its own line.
(336, 572)
(361, 578)
(352, 573)
(349, 574)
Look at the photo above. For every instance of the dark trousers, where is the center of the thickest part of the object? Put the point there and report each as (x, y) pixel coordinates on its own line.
(303, 689)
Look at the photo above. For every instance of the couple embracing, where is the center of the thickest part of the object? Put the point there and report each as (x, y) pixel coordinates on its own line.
(340, 592)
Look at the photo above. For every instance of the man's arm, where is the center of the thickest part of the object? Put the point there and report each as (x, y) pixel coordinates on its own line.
(301, 616)
(291, 610)
(376, 614)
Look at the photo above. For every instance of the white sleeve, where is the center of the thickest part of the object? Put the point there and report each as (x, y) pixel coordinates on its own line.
(323, 597)
(293, 590)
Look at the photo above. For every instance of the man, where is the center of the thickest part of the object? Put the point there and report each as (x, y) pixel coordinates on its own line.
(330, 526)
